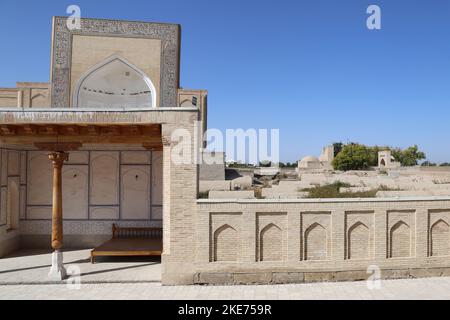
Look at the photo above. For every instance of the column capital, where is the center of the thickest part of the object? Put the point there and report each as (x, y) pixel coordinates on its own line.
(166, 141)
(58, 158)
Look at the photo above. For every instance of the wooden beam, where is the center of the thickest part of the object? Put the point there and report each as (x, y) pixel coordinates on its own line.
(48, 130)
(153, 146)
(93, 130)
(84, 139)
(58, 146)
(119, 134)
(70, 130)
(30, 129)
(110, 131)
(7, 130)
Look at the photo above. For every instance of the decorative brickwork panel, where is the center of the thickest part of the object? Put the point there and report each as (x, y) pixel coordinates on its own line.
(315, 235)
(439, 233)
(225, 244)
(316, 243)
(225, 237)
(440, 239)
(358, 247)
(400, 240)
(359, 235)
(401, 237)
(272, 237)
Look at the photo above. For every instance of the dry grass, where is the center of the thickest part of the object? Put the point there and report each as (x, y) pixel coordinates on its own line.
(332, 191)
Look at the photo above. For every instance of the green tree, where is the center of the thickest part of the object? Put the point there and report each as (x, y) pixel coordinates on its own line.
(408, 157)
(353, 156)
(337, 146)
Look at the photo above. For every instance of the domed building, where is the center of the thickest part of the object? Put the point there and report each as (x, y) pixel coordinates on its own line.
(309, 162)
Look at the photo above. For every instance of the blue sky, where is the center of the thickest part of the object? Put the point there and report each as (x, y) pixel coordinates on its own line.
(310, 68)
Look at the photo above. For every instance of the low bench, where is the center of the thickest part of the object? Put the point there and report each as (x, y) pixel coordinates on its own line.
(130, 241)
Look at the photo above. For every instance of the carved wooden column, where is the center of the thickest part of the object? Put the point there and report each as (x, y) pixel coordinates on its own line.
(57, 159)
(57, 272)
(57, 156)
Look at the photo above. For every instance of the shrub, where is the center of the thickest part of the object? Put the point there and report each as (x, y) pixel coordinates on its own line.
(353, 157)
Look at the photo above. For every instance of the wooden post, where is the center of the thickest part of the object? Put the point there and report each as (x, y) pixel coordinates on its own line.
(57, 159)
(57, 271)
(58, 154)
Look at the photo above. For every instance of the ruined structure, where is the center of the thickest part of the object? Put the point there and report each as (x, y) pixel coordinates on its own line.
(387, 161)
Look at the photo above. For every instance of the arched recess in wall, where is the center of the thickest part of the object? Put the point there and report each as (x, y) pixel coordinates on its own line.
(12, 205)
(316, 242)
(358, 241)
(225, 244)
(382, 163)
(400, 240)
(440, 239)
(114, 83)
(271, 243)
(38, 100)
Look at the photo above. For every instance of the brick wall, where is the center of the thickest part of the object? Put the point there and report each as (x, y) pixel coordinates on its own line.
(247, 241)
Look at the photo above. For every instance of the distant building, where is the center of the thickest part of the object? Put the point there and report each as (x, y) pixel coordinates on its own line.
(323, 162)
(386, 160)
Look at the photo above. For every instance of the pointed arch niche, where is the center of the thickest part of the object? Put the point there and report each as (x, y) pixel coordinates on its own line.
(114, 83)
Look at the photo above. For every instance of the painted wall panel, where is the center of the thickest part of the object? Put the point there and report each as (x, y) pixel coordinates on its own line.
(157, 178)
(157, 213)
(39, 213)
(135, 197)
(75, 191)
(23, 201)
(78, 157)
(13, 163)
(4, 169)
(3, 195)
(104, 178)
(23, 167)
(104, 213)
(135, 157)
(39, 179)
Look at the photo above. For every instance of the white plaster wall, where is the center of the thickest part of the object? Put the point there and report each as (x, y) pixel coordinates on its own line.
(135, 197)
(39, 179)
(157, 172)
(75, 191)
(105, 186)
(11, 180)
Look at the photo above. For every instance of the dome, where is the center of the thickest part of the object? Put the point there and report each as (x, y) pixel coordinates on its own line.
(310, 159)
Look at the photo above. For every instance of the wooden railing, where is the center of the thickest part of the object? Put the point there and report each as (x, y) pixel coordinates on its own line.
(136, 232)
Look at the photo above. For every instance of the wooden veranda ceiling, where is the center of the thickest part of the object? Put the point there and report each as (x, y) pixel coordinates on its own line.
(148, 135)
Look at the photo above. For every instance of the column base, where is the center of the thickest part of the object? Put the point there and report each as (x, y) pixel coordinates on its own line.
(57, 271)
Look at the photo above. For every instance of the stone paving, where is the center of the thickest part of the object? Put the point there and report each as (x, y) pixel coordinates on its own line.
(429, 288)
(23, 276)
(32, 267)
